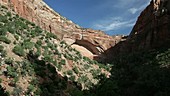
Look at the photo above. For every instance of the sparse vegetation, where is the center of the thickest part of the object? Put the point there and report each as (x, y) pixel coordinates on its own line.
(19, 50)
(63, 62)
(39, 61)
(9, 61)
(1, 48)
(5, 39)
(70, 72)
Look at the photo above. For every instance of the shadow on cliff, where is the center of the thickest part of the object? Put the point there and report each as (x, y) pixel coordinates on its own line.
(141, 63)
(137, 74)
(48, 82)
(2, 91)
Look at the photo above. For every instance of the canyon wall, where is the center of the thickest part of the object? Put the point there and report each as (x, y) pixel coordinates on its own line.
(151, 31)
(42, 15)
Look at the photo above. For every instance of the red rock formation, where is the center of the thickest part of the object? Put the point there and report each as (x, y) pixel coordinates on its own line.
(38, 12)
(152, 30)
(153, 24)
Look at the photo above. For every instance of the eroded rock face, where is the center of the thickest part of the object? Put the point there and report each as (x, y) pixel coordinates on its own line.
(38, 12)
(153, 24)
(152, 30)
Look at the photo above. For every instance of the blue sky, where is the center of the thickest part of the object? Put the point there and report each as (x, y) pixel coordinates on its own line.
(112, 16)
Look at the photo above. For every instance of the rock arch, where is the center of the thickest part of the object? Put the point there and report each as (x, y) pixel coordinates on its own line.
(88, 45)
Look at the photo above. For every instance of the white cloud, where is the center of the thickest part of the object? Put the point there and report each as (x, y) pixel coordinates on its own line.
(113, 24)
(125, 20)
(133, 10)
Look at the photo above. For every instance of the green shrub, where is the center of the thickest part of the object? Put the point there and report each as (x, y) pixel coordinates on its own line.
(9, 61)
(32, 24)
(0, 80)
(3, 53)
(15, 42)
(38, 53)
(70, 72)
(30, 89)
(18, 50)
(17, 91)
(16, 37)
(86, 66)
(47, 58)
(3, 31)
(39, 42)
(5, 39)
(1, 48)
(38, 30)
(62, 42)
(11, 72)
(72, 78)
(82, 79)
(11, 30)
(59, 67)
(86, 59)
(95, 73)
(8, 14)
(17, 16)
(4, 7)
(51, 35)
(62, 62)
(28, 44)
(75, 69)
(3, 19)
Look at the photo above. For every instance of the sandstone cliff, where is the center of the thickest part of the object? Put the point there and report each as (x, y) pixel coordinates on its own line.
(38, 12)
(151, 31)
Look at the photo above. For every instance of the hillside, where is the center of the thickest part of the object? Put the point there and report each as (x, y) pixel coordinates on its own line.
(36, 62)
(151, 31)
(52, 59)
(42, 15)
(141, 62)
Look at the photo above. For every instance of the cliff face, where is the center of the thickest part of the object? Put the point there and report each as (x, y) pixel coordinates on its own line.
(153, 24)
(152, 30)
(38, 12)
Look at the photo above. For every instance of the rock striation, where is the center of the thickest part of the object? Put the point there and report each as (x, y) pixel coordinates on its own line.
(41, 14)
(151, 31)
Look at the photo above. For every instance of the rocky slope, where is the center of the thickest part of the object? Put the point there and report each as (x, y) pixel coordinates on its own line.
(36, 62)
(151, 31)
(141, 63)
(38, 12)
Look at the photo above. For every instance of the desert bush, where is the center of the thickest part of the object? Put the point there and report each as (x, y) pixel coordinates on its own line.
(1, 48)
(39, 42)
(5, 39)
(8, 14)
(83, 79)
(3, 31)
(11, 30)
(31, 88)
(28, 44)
(16, 37)
(9, 61)
(11, 71)
(3, 19)
(18, 50)
(17, 91)
(70, 72)
(51, 35)
(75, 69)
(4, 7)
(3, 53)
(62, 62)
(72, 78)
